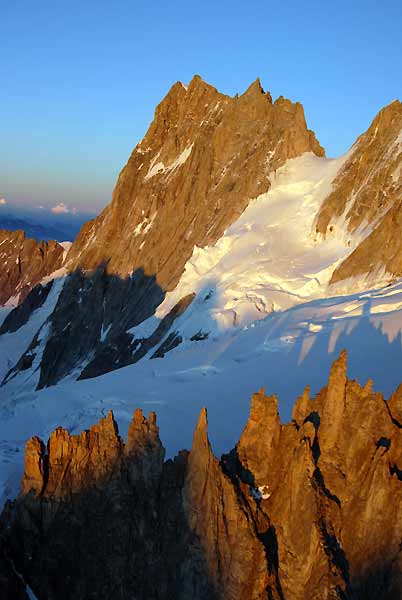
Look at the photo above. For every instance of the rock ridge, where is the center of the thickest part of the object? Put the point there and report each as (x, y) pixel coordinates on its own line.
(299, 511)
(24, 262)
(366, 199)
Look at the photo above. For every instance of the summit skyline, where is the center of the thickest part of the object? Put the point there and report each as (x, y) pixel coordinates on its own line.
(84, 80)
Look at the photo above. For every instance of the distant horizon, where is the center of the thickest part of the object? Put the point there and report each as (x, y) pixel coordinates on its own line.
(80, 83)
(60, 210)
(45, 210)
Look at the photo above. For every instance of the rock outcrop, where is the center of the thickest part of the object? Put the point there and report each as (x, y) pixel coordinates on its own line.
(366, 199)
(299, 511)
(223, 522)
(24, 262)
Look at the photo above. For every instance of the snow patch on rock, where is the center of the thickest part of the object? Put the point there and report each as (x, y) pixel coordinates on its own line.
(158, 168)
(66, 246)
(261, 492)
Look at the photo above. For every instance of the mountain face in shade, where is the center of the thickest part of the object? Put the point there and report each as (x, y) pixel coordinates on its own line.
(299, 511)
(24, 262)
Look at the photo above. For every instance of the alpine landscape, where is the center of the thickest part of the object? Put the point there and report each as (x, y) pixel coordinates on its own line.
(201, 393)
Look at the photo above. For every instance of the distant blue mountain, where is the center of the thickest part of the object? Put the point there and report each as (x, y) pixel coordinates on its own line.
(43, 224)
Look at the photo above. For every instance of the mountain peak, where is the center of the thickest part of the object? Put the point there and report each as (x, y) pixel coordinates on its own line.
(260, 435)
(201, 430)
(197, 79)
(255, 93)
(387, 122)
(203, 159)
(366, 196)
(392, 106)
(254, 88)
(197, 83)
(24, 264)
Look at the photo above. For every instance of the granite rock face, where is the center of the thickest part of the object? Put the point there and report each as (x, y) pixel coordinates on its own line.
(204, 157)
(24, 262)
(366, 199)
(298, 511)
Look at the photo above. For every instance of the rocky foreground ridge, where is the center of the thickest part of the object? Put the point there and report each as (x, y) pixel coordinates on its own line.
(300, 511)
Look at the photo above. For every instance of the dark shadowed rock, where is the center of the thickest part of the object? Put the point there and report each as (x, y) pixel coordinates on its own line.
(22, 313)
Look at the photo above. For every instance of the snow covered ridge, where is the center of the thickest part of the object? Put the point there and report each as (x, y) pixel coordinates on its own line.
(266, 262)
(269, 259)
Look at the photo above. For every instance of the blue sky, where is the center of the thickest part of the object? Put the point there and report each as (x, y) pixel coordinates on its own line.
(80, 80)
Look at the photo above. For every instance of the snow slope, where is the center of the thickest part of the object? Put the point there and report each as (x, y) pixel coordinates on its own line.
(269, 259)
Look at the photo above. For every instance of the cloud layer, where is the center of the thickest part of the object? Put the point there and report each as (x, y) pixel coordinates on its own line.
(61, 208)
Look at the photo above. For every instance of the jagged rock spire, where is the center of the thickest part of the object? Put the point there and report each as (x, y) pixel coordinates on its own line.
(302, 407)
(200, 438)
(254, 89)
(306, 511)
(260, 435)
(34, 467)
(144, 447)
(334, 405)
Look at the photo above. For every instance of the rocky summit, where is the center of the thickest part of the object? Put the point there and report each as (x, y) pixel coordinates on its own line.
(204, 157)
(300, 511)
